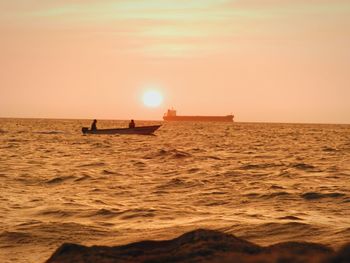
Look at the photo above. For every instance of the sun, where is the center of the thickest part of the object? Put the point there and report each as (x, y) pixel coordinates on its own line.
(152, 98)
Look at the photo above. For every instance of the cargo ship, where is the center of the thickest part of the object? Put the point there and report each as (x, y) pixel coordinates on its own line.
(170, 115)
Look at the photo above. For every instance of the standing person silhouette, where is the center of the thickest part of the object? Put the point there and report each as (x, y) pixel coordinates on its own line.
(132, 124)
(93, 125)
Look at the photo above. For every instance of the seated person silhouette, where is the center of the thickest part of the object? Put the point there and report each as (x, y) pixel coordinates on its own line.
(132, 124)
(93, 126)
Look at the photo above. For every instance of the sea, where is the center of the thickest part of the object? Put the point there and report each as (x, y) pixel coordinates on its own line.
(264, 182)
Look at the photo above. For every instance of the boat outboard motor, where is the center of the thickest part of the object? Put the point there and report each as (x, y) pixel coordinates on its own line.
(84, 129)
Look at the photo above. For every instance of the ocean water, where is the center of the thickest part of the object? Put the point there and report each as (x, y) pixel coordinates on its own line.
(266, 183)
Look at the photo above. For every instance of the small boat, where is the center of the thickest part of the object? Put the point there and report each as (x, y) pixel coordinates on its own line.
(143, 130)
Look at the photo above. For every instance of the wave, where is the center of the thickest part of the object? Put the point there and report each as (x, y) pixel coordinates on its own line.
(193, 170)
(57, 213)
(175, 183)
(139, 164)
(275, 194)
(108, 172)
(49, 132)
(17, 140)
(212, 157)
(268, 195)
(93, 164)
(303, 166)
(15, 237)
(329, 149)
(345, 231)
(60, 179)
(289, 218)
(292, 230)
(83, 178)
(49, 233)
(106, 214)
(171, 154)
(316, 195)
(136, 213)
(276, 187)
(260, 166)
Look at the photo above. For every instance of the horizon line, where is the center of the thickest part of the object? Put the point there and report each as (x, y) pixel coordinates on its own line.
(161, 120)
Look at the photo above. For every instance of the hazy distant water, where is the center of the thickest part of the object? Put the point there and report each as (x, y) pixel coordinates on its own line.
(263, 182)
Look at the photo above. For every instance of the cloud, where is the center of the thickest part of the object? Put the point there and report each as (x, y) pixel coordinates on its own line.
(176, 26)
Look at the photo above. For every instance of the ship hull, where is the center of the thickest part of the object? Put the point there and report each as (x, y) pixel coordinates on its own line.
(228, 118)
(142, 130)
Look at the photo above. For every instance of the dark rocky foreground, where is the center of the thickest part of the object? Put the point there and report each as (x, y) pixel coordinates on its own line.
(202, 246)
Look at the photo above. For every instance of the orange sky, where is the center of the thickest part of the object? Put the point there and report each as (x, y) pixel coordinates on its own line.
(263, 60)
